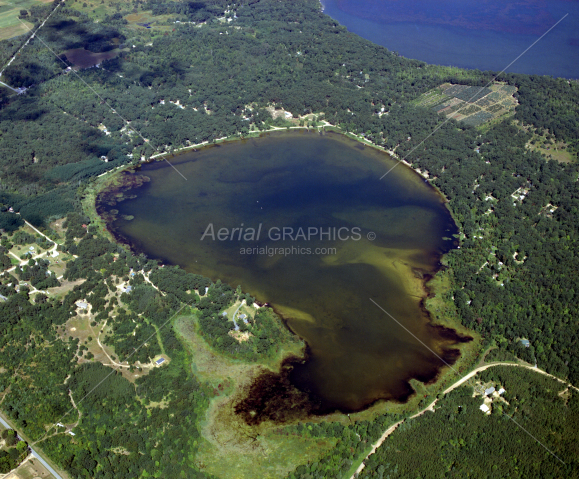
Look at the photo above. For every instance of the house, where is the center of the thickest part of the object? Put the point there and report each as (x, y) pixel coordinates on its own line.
(525, 342)
(82, 304)
(484, 408)
(489, 391)
(71, 433)
(128, 289)
(159, 361)
(224, 314)
(501, 391)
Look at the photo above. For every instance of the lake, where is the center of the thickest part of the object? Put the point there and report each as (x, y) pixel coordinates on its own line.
(82, 58)
(481, 34)
(323, 192)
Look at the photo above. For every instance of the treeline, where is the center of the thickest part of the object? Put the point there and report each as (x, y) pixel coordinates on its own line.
(37, 272)
(260, 338)
(459, 440)
(352, 443)
(124, 433)
(14, 452)
(222, 75)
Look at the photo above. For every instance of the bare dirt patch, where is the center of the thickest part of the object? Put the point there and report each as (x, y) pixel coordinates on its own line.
(31, 469)
(65, 286)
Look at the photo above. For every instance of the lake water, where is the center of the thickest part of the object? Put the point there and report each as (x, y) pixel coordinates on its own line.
(393, 232)
(481, 34)
(82, 58)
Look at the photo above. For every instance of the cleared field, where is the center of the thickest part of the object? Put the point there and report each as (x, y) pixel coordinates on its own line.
(562, 156)
(471, 105)
(548, 145)
(32, 469)
(10, 25)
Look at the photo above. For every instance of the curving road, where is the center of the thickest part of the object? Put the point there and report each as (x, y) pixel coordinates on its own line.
(458, 383)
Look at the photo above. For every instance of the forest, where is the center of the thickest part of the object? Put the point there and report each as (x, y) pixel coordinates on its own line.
(459, 440)
(514, 276)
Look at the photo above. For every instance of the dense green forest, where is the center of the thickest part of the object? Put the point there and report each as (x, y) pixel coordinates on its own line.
(459, 440)
(514, 276)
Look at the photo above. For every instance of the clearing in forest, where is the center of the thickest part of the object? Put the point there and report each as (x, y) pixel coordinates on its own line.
(472, 105)
(10, 25)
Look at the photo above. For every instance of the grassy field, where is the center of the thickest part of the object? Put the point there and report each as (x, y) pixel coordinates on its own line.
(556, 153)
(98, 9)
(232, 449)
(10, 25)
(31, 469)
(548, 145)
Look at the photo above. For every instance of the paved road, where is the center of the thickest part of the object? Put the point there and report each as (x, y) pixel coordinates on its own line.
(35, 454)
(4, 423)
(8, 86)
(33, 34)
(45, 464)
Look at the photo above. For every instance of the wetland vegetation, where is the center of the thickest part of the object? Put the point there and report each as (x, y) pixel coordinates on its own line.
(513, 277)
(356, 354)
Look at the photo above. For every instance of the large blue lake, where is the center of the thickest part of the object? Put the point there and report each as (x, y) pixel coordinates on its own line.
(481, 34)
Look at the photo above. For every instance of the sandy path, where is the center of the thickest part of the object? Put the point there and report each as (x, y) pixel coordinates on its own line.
(458, 383)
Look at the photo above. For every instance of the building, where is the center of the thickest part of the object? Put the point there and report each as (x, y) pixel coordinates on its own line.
(489, 391)
(484, 408)
(160, 361)
(525, 342)
(501, 391)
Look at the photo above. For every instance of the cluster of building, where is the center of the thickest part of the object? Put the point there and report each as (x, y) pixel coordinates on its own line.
(490, 393)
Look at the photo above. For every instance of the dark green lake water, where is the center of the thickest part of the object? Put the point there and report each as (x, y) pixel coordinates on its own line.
(356, 353)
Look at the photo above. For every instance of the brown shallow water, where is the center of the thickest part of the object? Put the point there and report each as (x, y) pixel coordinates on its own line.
(82, 58)
(398, 228)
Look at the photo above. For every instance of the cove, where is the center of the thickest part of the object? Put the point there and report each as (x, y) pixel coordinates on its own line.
(322, 284)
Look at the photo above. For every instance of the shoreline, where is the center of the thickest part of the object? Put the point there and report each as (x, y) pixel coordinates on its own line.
(422, 283)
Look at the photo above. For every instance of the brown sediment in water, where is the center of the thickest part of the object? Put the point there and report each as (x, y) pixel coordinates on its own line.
(82, 58)
(357, 356)
(274, 398)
